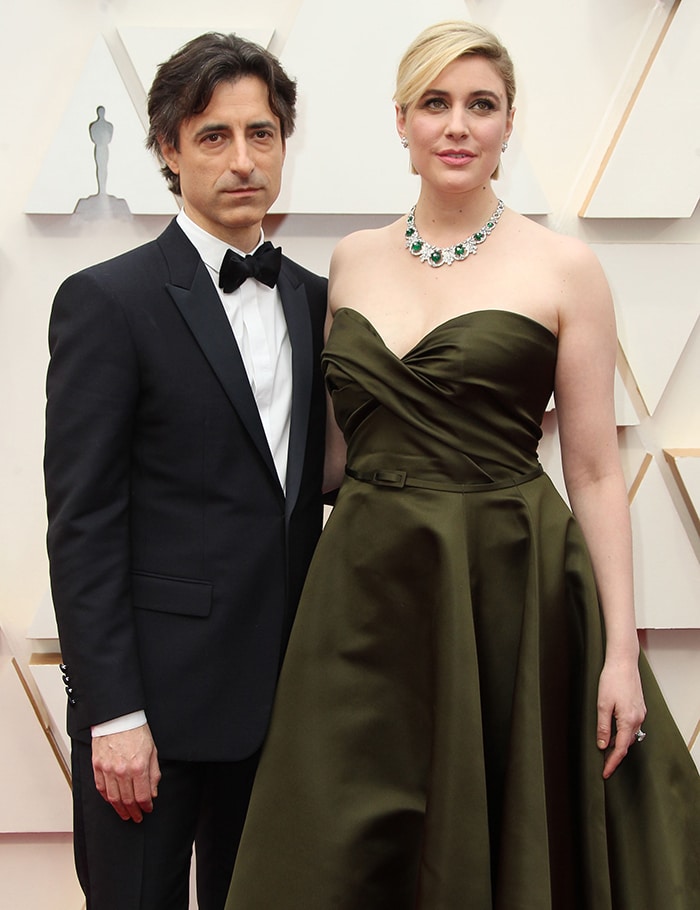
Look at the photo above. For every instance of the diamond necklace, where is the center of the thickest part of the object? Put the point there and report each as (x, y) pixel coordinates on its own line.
(437, 256)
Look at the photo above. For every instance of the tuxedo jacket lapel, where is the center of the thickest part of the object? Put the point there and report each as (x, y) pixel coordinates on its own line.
(196, 298)
(298, 317)
(201, 309)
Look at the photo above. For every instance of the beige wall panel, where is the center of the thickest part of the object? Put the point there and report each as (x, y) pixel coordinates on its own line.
(34, 795)
(666, 569)
(656, 288)
(685, 465)
(47, 678)
(550, 455)
(656, 174)
(567, 110)
(36, 873)
(148, 47)
(130, 175)
(673, 655)
(571, 97)
(625, 411)
(43, 625)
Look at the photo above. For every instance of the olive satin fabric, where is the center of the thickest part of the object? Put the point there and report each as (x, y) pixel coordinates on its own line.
(433, 739)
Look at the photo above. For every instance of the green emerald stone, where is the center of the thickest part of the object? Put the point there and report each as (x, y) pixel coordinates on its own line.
(478, 236)
(416, 247)
(436, 256)
(410, 232)
(459, 250)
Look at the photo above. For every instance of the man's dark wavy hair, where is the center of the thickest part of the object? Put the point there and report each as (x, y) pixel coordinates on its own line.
(184, 84)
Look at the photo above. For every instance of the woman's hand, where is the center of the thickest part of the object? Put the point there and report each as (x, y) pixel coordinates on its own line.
(620, 698)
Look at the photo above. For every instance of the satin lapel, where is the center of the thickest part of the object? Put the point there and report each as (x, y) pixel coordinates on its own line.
(298, 317)
(202, 311)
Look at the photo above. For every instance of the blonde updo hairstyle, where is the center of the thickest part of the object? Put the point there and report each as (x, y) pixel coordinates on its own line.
(438, 46)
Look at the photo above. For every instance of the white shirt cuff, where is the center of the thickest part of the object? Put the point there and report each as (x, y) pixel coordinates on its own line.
(120, 724)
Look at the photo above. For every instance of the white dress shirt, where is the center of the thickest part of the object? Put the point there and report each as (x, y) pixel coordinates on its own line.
(260, 329)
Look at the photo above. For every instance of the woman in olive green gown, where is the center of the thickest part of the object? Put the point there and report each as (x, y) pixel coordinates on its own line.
(457, 724)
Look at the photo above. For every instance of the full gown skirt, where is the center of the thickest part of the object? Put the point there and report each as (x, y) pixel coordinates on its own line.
(433, 739)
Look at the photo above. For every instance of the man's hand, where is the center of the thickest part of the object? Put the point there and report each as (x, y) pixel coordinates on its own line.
(126, 771)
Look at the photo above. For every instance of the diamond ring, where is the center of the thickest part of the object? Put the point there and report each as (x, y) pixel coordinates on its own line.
(640, 735)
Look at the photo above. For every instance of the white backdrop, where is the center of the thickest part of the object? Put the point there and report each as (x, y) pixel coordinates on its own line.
(606, 147)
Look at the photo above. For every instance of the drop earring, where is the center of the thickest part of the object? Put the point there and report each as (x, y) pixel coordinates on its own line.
(404, 142)
(504, 146)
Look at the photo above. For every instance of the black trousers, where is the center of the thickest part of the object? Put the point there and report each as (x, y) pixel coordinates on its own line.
(122, 865)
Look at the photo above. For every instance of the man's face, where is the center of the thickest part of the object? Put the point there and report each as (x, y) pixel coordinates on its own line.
(229, 160)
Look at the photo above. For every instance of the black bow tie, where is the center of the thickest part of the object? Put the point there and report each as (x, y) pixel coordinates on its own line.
(264, 264)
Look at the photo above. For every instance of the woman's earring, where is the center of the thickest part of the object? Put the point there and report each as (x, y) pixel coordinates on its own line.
(404, 142)
(504, 146)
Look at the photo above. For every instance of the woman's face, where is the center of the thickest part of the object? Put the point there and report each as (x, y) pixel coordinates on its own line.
(456, 129)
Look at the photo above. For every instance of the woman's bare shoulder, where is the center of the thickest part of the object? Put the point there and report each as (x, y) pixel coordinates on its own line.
(562, 250)
(361, 240)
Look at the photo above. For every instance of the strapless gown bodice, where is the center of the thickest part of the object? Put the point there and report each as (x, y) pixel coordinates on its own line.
(466, 403)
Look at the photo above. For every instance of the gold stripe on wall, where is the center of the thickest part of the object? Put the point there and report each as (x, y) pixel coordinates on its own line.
(48, 733)
(628, 109)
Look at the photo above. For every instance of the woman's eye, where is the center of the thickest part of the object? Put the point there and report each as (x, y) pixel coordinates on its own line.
(434, 103)
(483, 104)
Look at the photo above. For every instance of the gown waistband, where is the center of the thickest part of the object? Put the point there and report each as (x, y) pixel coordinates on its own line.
(400, 479)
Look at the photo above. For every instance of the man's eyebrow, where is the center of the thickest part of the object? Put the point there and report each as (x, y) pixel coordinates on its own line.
(224, 127)
(211, 128)
(263, 125)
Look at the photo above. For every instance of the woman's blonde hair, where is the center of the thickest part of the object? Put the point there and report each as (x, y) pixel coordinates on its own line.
(441, 44)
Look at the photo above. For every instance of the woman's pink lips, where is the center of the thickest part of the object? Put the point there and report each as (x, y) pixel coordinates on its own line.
(455, 157)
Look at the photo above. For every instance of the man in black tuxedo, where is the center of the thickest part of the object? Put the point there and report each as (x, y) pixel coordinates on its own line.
(184, 452)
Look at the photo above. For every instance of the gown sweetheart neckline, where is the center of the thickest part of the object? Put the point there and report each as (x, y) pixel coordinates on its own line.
(443, 325)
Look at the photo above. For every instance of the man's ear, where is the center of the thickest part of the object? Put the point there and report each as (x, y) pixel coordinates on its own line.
(170, 155)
